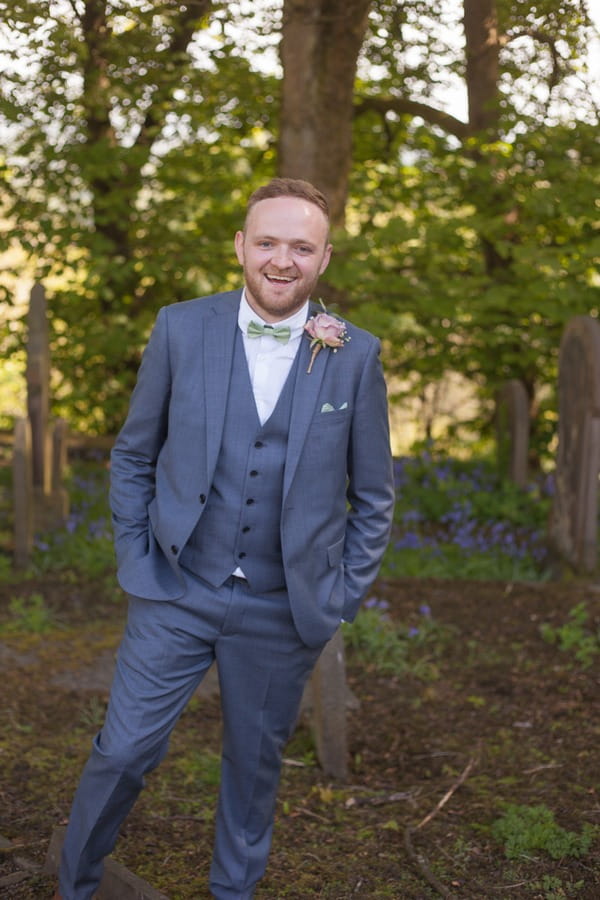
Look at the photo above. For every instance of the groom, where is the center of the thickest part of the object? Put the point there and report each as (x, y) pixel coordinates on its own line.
(251, 492)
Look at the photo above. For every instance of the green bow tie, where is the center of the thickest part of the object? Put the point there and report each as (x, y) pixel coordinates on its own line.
(281, 333)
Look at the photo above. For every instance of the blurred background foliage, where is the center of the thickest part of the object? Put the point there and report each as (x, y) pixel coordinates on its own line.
(457, 140)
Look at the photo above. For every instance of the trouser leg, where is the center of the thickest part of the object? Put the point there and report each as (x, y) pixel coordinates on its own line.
(263, 667)
(158, 668)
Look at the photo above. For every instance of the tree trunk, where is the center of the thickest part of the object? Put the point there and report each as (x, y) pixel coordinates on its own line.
(321, 40)
(482, 56)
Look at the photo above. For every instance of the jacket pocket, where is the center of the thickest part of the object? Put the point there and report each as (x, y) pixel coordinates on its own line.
(335, 553)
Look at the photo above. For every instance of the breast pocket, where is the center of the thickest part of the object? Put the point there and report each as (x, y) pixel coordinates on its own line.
(332, 418)
(328, 436)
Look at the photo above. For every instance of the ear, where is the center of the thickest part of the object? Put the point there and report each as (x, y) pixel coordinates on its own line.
(239, 247)
(326, 258)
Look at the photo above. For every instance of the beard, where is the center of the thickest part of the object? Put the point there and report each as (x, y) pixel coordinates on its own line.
(278, 301)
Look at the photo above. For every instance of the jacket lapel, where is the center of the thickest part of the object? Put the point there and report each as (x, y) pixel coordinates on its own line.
(306, 394)
(219, 339)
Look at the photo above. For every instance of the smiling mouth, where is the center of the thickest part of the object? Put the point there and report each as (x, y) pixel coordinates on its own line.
(280, 279)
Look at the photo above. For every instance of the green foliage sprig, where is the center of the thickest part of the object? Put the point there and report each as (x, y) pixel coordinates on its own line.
(575, 636)
(526, 829)
(394, 648)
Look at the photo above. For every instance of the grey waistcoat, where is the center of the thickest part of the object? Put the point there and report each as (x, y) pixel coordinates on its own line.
(240, 525)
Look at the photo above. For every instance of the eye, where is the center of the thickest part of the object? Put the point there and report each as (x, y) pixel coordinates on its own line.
(265, 244)
(304, 249)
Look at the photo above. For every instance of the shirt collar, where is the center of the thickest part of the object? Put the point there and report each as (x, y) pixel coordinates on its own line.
(296, 322)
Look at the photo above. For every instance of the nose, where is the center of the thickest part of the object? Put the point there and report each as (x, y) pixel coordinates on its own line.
(281, 257)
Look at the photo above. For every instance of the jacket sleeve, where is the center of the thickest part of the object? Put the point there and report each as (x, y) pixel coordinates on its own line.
(370, 490)
(136, 449)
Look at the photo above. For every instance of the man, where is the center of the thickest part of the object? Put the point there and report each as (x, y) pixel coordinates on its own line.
(252, 502)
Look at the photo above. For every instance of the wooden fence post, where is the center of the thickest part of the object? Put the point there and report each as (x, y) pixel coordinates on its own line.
(512, 431)
(37, 374)
(60, 497)
(22, 493)
(574, 517)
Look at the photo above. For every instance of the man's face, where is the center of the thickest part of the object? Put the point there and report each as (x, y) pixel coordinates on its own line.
(283, 250)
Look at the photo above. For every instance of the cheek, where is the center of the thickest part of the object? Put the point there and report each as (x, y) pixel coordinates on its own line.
(310, 272)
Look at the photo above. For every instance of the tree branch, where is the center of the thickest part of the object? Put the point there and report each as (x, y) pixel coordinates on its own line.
(542, 38)
(185, 24)
(405, 107)
(418, 858)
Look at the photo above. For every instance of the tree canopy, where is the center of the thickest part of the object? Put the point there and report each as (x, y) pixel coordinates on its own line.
(132, 133)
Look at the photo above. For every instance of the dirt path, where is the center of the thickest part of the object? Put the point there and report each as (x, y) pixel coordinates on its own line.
(499, 716)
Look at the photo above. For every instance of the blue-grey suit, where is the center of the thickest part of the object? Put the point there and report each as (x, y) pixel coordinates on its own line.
(333, 525)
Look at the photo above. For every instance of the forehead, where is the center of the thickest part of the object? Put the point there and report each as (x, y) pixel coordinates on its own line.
(287, 217)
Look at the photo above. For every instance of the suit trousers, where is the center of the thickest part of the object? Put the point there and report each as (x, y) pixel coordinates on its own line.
(166, 650)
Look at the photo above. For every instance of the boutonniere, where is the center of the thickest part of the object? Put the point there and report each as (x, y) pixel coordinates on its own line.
(325, 330)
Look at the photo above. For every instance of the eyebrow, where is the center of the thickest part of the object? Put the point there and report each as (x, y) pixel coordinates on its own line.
(270, 237)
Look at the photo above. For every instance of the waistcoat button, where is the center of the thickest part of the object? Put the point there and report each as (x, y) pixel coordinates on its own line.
(202, 498)
(174, 549)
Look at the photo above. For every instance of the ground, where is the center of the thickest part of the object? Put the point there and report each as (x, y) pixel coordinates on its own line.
(498, 715)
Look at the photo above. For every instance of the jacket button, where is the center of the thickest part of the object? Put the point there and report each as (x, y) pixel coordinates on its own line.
(202, 498)
(245, 529)
(253, 473)
(242, 555)
(174, 549)
(249, 501)
(259, 444)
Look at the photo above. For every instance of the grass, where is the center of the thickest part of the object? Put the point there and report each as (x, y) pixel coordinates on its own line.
(28, 615)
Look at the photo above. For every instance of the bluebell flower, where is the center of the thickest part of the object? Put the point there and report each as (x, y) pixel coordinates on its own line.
(411, 540)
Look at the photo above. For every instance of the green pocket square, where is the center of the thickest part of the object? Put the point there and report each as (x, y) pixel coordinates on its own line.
(328, 407)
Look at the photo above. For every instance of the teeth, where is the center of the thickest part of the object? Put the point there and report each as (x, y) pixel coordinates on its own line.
(280, 278)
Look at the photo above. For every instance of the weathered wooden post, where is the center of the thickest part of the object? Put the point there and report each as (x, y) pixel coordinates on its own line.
(22, 493)
(512, 431)
(574, 517)
(38, 389)
(60, 497)
(118, 883)
(328, 699)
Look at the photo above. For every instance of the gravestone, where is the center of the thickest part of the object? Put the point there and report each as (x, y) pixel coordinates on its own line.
(22, 493)
(574, 517)
(512, 431)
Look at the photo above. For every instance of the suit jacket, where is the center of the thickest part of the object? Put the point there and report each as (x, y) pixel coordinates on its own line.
(338, 486)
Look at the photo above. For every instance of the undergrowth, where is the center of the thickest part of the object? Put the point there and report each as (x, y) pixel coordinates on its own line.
(523, 830)
(458, 519)
(576, 636)
(393, 648)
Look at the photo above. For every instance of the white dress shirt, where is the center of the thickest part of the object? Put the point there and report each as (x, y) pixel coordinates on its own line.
(269, 361)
